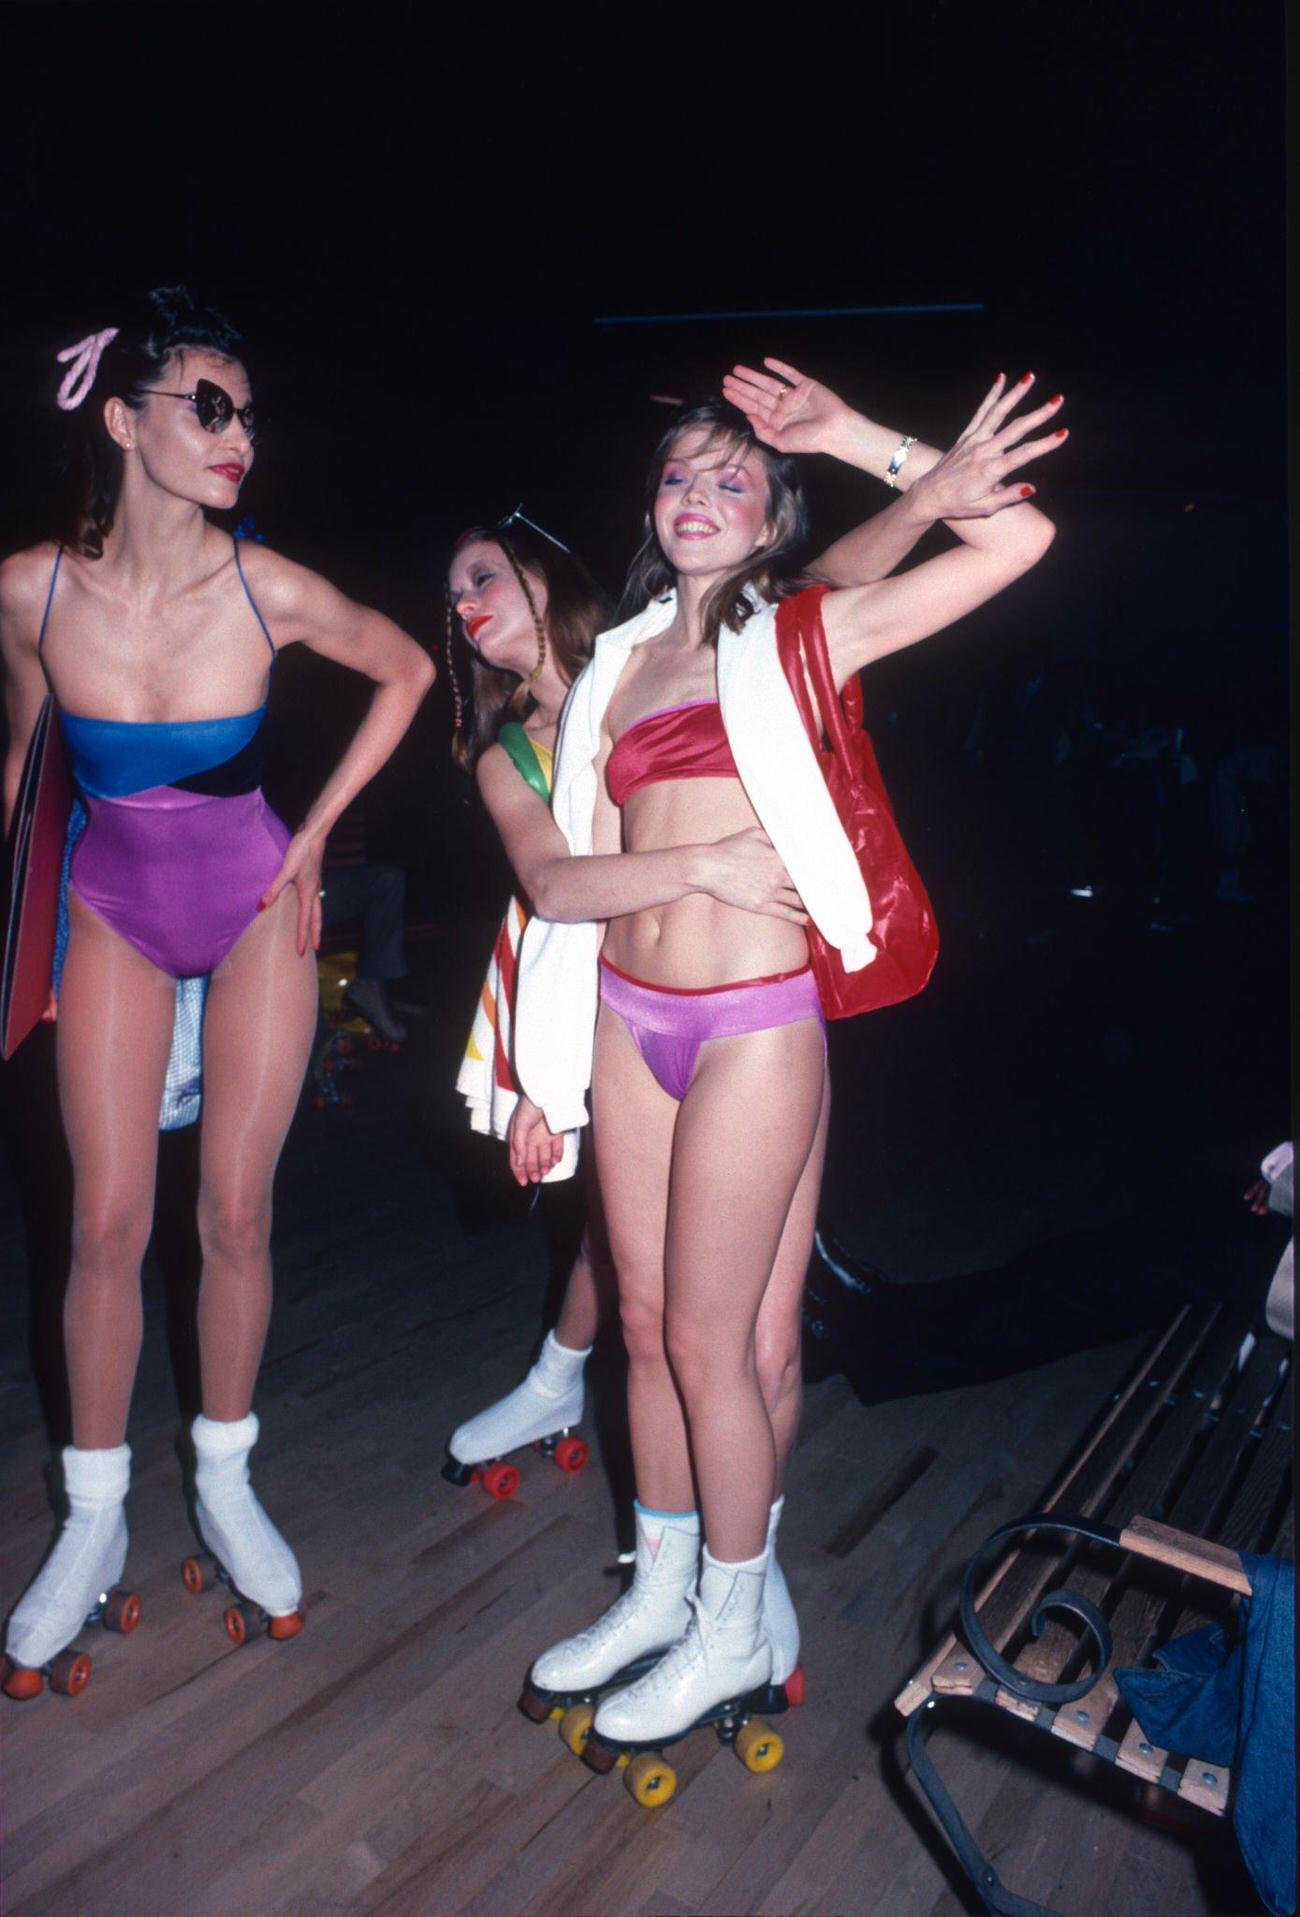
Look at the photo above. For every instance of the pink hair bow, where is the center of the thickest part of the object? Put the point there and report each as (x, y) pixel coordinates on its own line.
(80, 376)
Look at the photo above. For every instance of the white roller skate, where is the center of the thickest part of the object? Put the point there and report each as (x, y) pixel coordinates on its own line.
(719, 1673)
(78, 1584)
(541, 1411)
(635, 1631)
(244, 1549)
(779, 1620)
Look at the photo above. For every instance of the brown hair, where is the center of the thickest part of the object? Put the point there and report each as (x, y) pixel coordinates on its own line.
(769, 569)
(576, 609)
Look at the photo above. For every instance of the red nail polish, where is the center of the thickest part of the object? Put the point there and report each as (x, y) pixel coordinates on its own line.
(1055, 400)
(261, 905)
(1025, 491)
(1025, 378)
(997, 377)
(1060, 432)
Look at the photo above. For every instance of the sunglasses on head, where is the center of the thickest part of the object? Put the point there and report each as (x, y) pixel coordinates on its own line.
(214, 406)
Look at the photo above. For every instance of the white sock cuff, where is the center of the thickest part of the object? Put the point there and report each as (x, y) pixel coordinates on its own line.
(680, 1520)
(214, 1441)
(567, 1351)
(752, 1565)
(97, 1474)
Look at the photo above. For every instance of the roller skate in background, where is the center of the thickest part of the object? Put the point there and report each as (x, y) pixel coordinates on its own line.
(540, 1412)
(243, 1548)
(79, 1583)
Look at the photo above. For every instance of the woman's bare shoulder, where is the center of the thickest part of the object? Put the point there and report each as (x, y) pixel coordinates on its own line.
(24, 586)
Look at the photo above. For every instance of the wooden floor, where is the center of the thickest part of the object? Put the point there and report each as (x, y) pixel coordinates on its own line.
(377, 1764)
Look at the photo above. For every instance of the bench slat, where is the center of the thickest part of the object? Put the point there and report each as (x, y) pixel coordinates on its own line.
(1137, 1616)
(1142, 1490)
(1084, 1483)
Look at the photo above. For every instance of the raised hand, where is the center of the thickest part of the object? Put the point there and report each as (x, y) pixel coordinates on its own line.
(970, 481)
(792, 414)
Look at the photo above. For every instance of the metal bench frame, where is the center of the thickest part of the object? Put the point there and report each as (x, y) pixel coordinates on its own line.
(1195, 1435)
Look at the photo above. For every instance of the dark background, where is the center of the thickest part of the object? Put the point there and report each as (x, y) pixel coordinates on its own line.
(419, 225)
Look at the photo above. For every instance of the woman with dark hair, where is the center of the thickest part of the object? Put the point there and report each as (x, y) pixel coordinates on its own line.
(527, 611)
(706, 1057)
(156, 637)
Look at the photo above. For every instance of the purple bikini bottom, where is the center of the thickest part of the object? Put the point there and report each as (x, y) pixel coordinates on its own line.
(668, 1026)
(178, 874)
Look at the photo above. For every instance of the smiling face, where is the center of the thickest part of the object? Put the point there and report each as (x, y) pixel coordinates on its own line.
(175, 451)
(493, 607)
(711, 505)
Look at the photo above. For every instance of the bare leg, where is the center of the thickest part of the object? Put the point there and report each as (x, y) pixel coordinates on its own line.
(116, 1012)
(745, 1132)
(590, 1297)
(257, 1035)
(778, 1333)
(634, 1123)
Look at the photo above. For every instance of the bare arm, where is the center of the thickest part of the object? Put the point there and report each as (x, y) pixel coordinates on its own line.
(23, 580)
(302, 608)
(864, 623)
(741, 870)
(968, 483)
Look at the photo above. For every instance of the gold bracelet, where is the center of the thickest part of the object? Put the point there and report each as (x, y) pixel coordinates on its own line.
(905, 446)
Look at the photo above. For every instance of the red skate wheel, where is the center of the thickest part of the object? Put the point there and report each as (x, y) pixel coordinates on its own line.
(70, 1673)
(19, 1682)
(571, 1454)
(794, 1687)
(284, 1627)
(501, 1481)
(122, 1612)
(242, 1621)
(534, 1704)
(199, 1573)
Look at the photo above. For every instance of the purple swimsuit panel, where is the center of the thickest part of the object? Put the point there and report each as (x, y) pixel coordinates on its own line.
(178, 874)
(669, 1027)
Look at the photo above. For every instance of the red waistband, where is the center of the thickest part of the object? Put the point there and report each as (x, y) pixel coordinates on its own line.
(701, 991)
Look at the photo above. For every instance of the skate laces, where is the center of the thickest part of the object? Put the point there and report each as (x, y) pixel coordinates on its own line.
(691, 1648)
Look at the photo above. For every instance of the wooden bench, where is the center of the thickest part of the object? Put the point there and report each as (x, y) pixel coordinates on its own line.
(1136, 1543)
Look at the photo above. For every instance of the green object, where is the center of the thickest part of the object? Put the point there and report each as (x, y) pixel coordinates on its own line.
(526, 762)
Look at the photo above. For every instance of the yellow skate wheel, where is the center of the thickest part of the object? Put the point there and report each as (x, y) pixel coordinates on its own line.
(555, 1713)
(650, 1780)
(758, 1747)
(575, 1727)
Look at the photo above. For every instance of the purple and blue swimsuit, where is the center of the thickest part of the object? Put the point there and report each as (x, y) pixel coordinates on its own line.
(176, 843)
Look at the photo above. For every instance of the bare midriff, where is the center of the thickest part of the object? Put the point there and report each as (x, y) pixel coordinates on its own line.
(697, 941)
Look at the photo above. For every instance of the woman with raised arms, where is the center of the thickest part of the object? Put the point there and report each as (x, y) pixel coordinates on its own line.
(697, 1025)
(157, 636)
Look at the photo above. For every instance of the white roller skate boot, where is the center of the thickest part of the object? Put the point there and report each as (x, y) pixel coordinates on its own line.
(244, 1549)
(79, 1581)
(651, 1614)
(540, 1411)
(722, 1658)
(779, 1620)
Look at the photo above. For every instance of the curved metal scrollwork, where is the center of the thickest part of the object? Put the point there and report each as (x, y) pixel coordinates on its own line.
(1071, 1602)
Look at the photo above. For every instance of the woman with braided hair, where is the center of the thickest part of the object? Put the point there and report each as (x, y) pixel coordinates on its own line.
(156, 638)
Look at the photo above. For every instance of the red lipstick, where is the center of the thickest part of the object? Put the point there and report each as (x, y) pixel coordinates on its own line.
(475, 626)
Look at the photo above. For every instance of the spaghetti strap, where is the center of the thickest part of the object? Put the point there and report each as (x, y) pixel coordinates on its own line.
(239, 567)
(49, 600)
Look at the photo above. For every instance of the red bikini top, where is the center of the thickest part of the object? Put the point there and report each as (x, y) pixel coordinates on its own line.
(681, 742)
